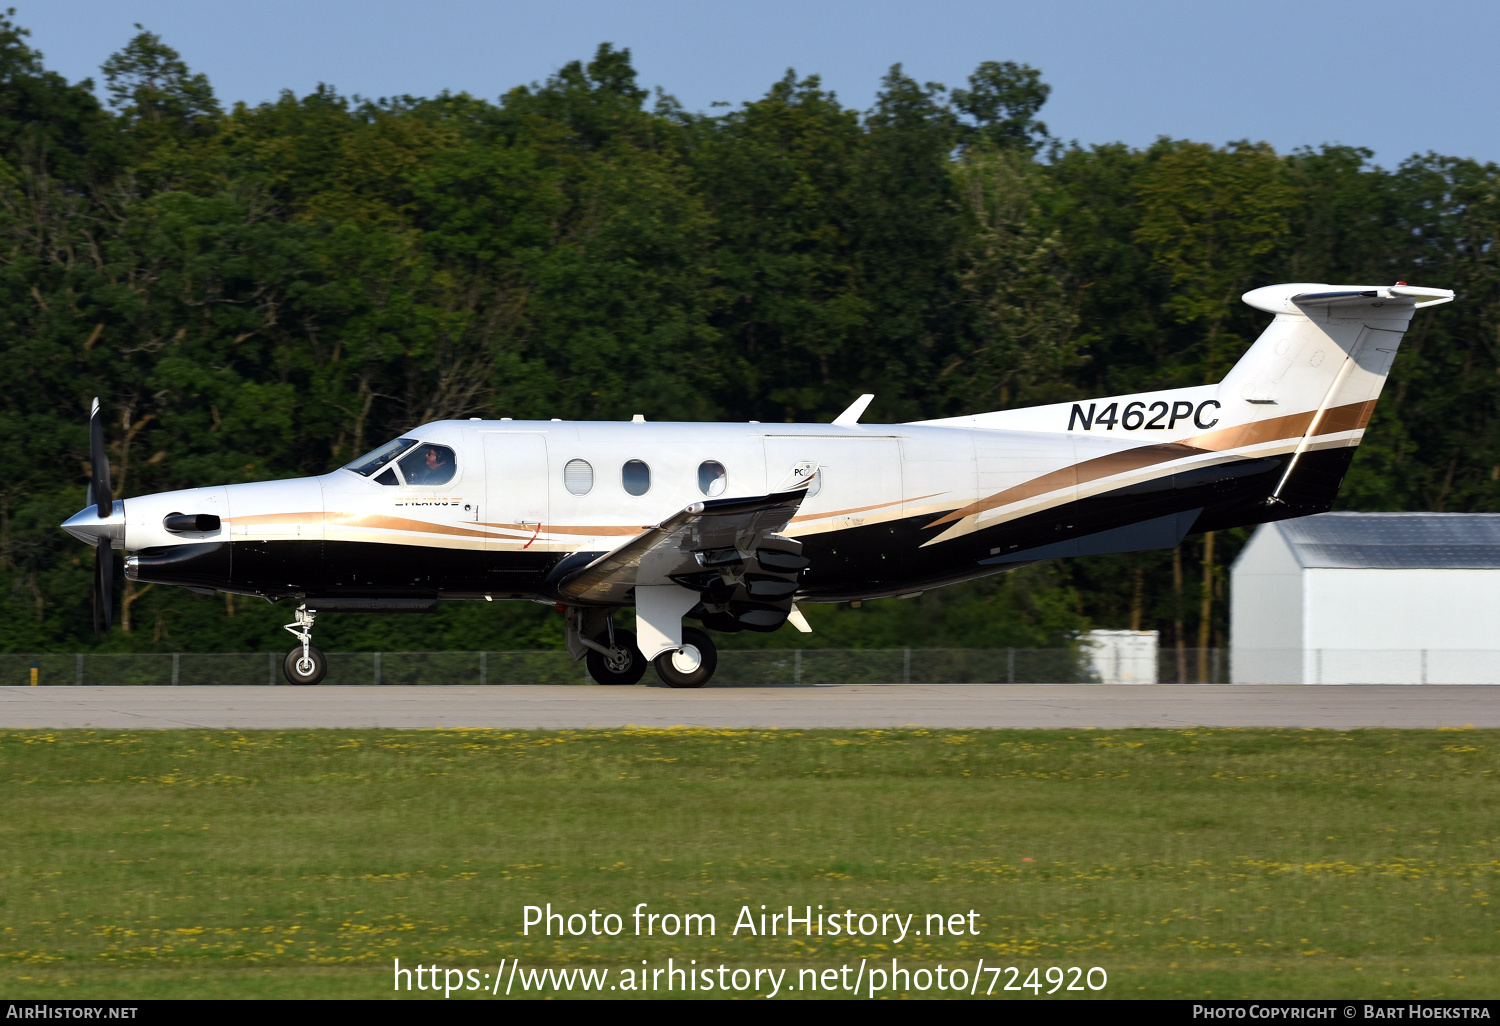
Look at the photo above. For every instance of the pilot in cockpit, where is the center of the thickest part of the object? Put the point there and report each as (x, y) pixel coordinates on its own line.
(435, 466)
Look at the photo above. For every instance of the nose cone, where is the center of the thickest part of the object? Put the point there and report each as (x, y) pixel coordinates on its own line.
(88, 526)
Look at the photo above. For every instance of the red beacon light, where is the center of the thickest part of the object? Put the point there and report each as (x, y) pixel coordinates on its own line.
(1400, 283)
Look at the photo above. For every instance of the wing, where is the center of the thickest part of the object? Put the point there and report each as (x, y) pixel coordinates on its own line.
(727, 550)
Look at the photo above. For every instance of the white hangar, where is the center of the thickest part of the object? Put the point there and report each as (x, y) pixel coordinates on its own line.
(1368, 598)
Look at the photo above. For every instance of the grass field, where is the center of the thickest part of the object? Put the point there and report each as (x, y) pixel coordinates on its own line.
(1185, 863)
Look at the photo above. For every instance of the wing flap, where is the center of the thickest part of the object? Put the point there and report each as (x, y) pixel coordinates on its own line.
(672, 548)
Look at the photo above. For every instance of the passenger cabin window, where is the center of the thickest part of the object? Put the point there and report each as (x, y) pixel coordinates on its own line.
(578, 477)
(712, 478)
(428, 465)
(372, 462)
(636, 477)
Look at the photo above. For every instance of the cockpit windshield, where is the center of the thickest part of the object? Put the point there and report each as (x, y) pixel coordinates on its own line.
(371, 462)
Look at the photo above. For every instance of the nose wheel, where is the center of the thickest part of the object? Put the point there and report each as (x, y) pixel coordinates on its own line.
(305, 667)
(304, 664)
(692, 665)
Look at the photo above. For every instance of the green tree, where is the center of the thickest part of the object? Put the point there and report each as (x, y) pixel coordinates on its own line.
(149, 84)
(908, 219)
(1001, 103)
(1014, 277)
(778, 178)
(49, 129)
(1214, 220)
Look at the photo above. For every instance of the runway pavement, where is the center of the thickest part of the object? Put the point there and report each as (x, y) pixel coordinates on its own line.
(931, 705)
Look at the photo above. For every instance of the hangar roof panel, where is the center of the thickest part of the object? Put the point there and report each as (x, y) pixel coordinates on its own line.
(1395, 541)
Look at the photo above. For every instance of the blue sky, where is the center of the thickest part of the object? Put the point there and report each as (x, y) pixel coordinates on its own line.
(1397, 78)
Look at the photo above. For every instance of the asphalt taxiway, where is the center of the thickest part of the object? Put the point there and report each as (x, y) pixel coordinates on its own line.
(988, 706)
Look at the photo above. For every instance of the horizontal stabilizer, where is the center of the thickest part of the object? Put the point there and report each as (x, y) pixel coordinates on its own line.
(1298, 297)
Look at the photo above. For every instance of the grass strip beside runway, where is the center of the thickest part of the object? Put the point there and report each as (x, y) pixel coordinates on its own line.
(1197, 863)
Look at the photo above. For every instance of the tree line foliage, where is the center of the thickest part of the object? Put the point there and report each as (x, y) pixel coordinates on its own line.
(269, 290)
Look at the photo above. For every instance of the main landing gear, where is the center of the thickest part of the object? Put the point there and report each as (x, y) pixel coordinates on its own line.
(691, 665)
(612, 656)
(304, 664)
(614, 659)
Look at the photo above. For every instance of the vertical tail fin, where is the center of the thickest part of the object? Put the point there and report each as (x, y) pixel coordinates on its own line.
(1272, 440)
(1302, 357)
(1314, 376)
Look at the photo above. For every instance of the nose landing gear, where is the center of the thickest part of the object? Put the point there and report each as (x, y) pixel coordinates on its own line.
(304, 664)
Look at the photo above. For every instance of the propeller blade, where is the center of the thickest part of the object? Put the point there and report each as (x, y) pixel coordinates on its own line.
(101, 492)
(104, 586)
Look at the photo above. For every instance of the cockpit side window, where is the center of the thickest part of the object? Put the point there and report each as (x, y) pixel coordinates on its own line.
(372, 462)
(428, 465)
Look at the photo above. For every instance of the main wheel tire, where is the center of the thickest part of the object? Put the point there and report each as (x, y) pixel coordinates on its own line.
(312, 672)
(627, 667)
(692, 665)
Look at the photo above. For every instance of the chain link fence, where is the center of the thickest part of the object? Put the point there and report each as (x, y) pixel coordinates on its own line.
(745, 668)
(771, 667)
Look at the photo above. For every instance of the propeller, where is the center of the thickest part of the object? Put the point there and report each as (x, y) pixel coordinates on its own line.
(101, 495)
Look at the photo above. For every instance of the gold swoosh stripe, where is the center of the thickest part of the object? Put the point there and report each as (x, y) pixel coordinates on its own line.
(585, 530)
(381, 522)
(277, 518)
(356, 520)
(858, 509)
(1341, 418)
(1079, 473)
